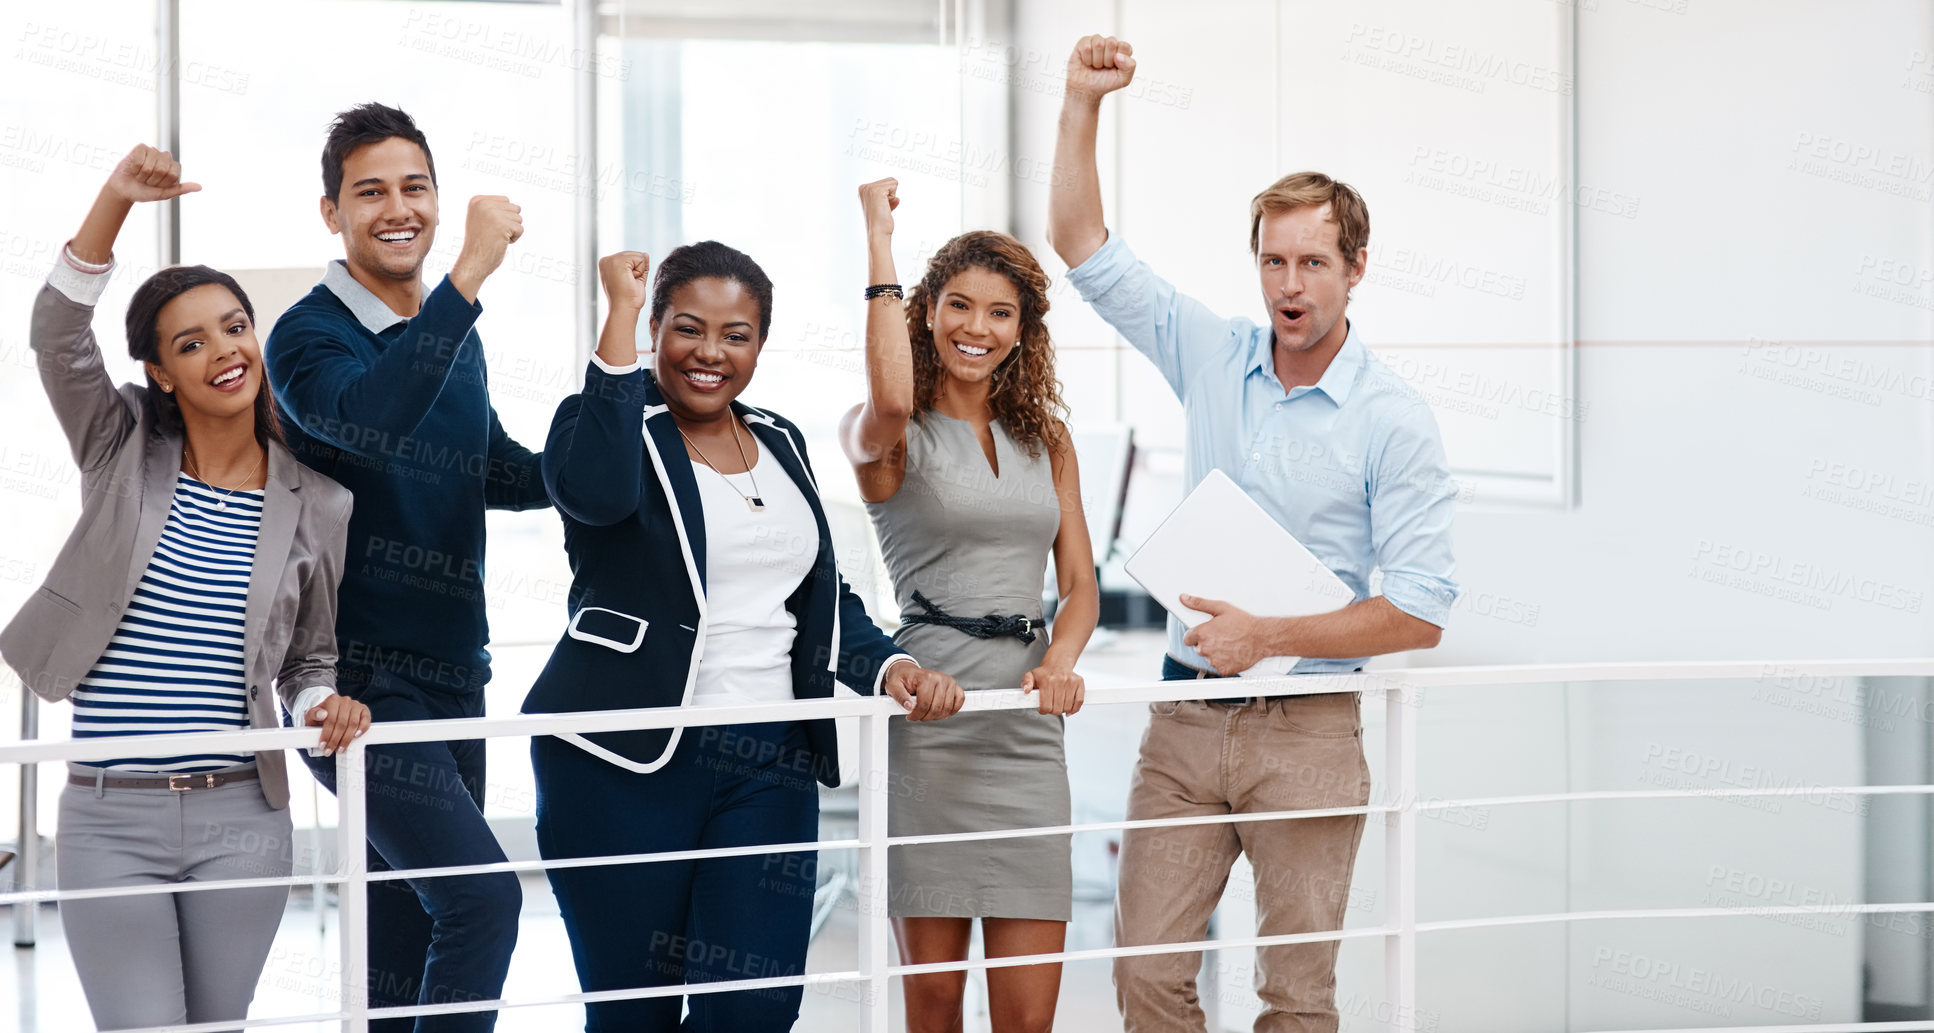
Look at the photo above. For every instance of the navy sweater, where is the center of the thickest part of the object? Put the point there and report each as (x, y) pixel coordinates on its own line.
(403, 419)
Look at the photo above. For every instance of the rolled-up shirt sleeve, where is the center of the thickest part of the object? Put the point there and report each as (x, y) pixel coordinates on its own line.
(1175, 331)
(80, 282)
(1412, 506)
(617, 371)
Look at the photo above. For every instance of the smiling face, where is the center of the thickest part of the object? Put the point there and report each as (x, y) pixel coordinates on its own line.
(706, 347)
(1306, 280)
(387, 211)
(208, 353)
(976, 323)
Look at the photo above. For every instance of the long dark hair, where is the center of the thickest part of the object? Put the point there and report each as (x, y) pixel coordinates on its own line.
(1025, 396)
(709, 258)
(144, 343)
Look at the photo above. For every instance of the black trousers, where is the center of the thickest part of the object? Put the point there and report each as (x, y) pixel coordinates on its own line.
(435, 940)
(665, 923)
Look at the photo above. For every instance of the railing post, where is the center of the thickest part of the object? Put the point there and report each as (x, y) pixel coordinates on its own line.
(1400, 857)
(27, 864)
(584, 139)
(352, 896)
(872, 895)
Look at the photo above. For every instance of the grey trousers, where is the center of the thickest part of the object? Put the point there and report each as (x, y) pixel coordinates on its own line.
(169, 958)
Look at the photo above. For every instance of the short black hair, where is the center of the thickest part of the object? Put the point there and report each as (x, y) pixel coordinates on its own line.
(144, 341)
(709, 258)
(359, 127)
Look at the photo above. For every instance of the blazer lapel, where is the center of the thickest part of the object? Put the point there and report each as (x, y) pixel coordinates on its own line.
(162, 466)
(674, 471)
(775, 439)
(281, 509)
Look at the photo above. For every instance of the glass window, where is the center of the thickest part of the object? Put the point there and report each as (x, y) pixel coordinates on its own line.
(76, 94)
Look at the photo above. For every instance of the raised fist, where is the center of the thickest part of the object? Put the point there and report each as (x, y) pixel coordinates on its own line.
(1100, 65)
(625, 276)
(491, 226)
(149, 174)
(877, 200)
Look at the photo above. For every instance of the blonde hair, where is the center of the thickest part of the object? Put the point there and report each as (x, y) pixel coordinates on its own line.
(1314, 189)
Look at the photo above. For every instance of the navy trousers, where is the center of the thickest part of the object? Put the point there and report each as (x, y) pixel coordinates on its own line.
(665, 923)
(434, 940)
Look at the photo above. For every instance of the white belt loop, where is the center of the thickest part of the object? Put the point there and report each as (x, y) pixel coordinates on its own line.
(100, 779)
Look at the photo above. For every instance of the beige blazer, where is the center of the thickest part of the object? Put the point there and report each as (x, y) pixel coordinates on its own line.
(128, 467)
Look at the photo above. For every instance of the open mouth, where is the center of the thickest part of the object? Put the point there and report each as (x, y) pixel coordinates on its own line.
(704, 379)
(397, 238)
(1293, 314)
(231, 378)
(970, 351)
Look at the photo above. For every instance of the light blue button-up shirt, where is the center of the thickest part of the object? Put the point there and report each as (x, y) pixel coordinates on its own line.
(1352, 466)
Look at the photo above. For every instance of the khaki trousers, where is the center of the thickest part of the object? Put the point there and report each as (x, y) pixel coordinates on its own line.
(1200, 758)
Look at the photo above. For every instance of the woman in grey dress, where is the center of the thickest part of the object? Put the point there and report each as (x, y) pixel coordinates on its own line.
(971, 483)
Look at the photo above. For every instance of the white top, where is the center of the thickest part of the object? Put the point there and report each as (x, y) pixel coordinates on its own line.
(176, 661)
(754, 562)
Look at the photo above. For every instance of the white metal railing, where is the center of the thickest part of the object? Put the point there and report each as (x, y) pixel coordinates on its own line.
(1401, 690)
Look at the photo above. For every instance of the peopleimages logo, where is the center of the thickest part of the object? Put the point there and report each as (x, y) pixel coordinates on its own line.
(1481, 66)
(1666, 763)
(1440, 377)
(1510, 186)
(1631, 972)
(1862, 164)
(1439, 270)
(1884, 483)
(1839, 373)
(1855, 699)
(1812, 584)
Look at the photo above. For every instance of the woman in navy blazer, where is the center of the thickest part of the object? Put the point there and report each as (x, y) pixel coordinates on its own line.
(703, 574)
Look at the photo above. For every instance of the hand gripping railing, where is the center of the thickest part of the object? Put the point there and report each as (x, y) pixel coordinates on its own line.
(1400, 690)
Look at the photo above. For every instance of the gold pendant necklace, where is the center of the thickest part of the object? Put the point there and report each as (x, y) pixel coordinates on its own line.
(221, 504)
(753, 501)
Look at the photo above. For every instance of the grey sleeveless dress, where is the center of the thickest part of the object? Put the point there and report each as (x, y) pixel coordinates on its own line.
(974, 543)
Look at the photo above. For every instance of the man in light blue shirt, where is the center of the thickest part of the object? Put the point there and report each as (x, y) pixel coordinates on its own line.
(1346, 456)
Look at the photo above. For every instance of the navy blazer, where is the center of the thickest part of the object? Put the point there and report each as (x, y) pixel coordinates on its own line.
(634, 528)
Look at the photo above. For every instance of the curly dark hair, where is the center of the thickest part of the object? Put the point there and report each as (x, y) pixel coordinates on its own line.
(1024, 395)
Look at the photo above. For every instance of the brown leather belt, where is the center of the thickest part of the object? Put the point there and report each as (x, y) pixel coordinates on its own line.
(178, 783)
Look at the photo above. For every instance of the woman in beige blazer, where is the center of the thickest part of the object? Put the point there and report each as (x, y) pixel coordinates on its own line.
(203, 572)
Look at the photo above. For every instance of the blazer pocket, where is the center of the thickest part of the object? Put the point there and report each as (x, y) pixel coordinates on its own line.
(608, 628)
(60, 600)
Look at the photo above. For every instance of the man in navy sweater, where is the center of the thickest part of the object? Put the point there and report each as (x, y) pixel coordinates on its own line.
(380, 384)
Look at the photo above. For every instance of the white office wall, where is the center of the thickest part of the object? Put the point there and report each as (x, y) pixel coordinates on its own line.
(1755, 424)
(1745, 390)
(78, 99)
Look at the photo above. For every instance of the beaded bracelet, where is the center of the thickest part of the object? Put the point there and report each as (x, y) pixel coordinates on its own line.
(884, 290)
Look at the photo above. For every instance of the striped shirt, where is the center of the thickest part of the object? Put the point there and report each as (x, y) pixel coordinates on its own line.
(175, 663)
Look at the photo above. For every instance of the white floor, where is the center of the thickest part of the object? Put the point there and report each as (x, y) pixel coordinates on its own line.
(302, 974)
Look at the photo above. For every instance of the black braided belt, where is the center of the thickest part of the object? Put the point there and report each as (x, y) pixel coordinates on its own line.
(991, 626)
